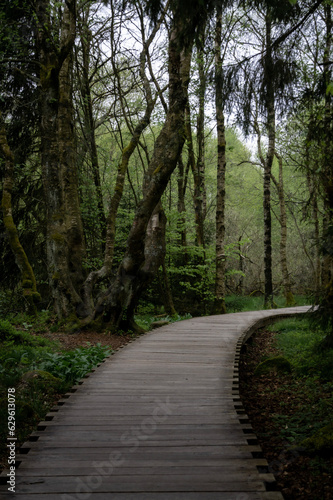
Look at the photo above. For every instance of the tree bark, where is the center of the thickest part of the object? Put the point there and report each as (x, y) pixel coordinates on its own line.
(29, 286)
(270, 106)
(89, 122)
(181, 184)
(220, 285)
(198, 168)
(65, 240)
(287, 290)
(117, 305)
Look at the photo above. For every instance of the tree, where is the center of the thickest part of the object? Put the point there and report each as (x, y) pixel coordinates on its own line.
(27, 275)
(290, 301)
(220, 290)
(65, 239)
(265, 93)
(119, 301)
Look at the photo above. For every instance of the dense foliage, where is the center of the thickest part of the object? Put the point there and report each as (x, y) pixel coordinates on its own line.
(112, 169)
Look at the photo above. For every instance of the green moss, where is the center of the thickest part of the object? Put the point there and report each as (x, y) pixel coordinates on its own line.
(56, 276)
(320, 441)
(278, 364)
(290, 300)
(46, 74)
(58, 237)
(157, 169)
(40, 378)
(27, 283)
(36, 297)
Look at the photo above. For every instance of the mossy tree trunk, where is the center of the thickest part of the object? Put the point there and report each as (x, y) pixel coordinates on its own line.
(181, 206)
(29, 287)
(287, 290)
(65, 240)
(136, 133)
(268, 162)
(325, 311)
(88, 124)
(117, 305)
(198, 167)
(220, 285)
(313, 192)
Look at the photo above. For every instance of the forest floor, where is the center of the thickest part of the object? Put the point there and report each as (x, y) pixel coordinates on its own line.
(70, 342)
(271, 403)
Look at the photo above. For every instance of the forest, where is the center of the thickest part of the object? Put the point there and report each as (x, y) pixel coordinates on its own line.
(164, 155)
(161, 160)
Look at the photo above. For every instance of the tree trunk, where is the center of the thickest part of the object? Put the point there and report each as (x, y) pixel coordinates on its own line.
(290, 301)
(182, 183)
(220, 286)
(127, 152)
(29, 287)
(199, 167)
(166, 291)
(89, 122)
(65, 240)
(315, 217)
(270, 106)
(117, 305)
(327, 157)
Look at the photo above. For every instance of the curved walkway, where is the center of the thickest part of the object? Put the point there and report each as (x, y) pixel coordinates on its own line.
(159, 420)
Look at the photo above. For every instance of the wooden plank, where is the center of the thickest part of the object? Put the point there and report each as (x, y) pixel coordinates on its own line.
(119, 483)
(154, 496)
(198, 448)
(103, 468)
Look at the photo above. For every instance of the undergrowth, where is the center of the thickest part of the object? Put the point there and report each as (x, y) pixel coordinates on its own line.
(40, 373)
(306, 403)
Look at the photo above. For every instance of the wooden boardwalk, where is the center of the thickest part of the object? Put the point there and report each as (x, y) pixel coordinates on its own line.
(161, 419)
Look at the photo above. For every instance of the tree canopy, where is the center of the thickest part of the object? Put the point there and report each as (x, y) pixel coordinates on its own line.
(164, 152)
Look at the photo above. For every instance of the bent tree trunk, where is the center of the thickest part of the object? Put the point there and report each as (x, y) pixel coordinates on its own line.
(64, 240)
(27, 275)
(105, 270)
(117, 306)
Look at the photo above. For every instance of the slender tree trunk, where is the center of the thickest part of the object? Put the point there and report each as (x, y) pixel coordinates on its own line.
(181, 183)
(89, 122)
(166, 291)
(199, 167)
(220, 286)
(122, 296)
(270, 106)
(27, 275)
(197, 197)
(327, 159)
(315, 218)
(290, 301)
(65, 240)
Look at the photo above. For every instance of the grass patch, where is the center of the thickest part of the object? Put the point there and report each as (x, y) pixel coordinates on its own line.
(238, 303)
(306, 403)
(300, 343)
